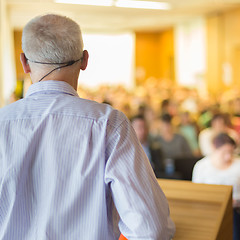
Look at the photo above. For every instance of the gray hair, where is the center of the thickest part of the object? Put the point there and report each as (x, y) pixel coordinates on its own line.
(52, 38)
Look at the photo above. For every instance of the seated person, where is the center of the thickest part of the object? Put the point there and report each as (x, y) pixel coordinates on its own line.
(173, 145)
(218, 125)
(221, 167)
(189, 129)
(151, 148)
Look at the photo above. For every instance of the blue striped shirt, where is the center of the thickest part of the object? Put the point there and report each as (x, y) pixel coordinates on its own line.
(67, 164)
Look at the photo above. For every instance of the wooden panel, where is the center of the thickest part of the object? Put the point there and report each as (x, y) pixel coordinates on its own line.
(200, 211)
(18, 49)
(232, 43)
(223, 44)
(146, 56)
(155, 55)
(215, 51)
(166, 55)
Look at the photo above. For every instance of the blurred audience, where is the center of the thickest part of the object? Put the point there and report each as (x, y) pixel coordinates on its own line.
(188, 123)
(222, 167)
(190, 112)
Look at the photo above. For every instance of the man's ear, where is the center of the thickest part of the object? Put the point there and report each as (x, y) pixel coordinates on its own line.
(25, 65)
(84, 61)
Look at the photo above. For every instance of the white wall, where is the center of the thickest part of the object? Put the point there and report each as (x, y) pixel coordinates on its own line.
(111, 59)
(190, 52)
(7, 61)
(2, 9)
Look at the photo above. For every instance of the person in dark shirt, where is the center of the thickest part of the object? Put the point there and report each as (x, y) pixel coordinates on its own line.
(173, 144)
(150, 147)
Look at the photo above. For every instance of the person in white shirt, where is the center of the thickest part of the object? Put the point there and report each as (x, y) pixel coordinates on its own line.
(221, 167)
(218, 125)
(71, 168)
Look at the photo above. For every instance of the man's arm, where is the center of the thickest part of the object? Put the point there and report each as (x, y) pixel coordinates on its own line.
(139, 200)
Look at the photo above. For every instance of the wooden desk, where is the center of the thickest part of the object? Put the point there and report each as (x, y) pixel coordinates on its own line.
(199, 211)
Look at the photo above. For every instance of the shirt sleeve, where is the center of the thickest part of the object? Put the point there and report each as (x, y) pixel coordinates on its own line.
(197, 175)
(139, 200)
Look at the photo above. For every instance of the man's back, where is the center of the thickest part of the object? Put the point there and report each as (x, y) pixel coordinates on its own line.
(52, 154)
(61, 157)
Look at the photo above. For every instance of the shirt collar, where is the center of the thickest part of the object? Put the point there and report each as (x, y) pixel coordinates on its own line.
(53, 86)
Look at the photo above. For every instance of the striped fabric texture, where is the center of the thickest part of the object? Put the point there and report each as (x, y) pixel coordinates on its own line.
(71, 169)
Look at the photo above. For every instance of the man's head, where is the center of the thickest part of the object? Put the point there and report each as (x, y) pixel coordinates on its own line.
(55, 40)
(140, 126)
(52, 38)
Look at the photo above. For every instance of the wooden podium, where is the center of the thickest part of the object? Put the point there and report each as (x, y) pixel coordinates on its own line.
(199, 211)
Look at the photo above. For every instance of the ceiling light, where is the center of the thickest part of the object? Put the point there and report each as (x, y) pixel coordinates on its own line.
(121, 3)
(142, 4)
(87, 2)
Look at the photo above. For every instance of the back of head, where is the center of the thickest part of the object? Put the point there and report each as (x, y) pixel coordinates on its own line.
(139, 124)
(166, 118)
(165, 103)
(52, 39)
(222, 139)
(218, 117)
(138, 117)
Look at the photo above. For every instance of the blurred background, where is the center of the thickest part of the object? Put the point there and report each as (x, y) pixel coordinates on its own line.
(188, 43)
(182, 56)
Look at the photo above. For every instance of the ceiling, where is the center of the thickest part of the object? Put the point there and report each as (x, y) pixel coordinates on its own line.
(118, 19)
